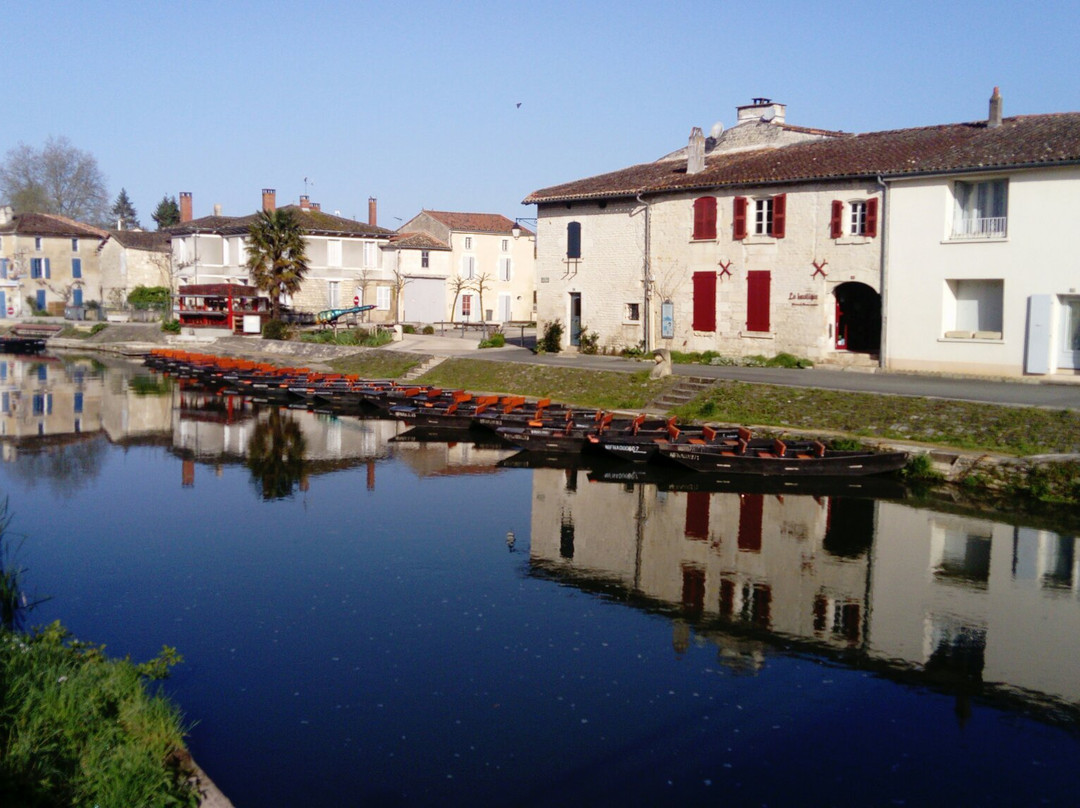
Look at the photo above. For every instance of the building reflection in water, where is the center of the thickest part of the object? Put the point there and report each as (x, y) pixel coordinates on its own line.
(952, 600)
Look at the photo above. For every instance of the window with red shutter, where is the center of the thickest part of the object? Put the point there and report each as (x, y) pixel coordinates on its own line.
(704, 301)
(697, 515)
(757, 300)
(836, 220)
(705, 217)
(871, 217)
(739, 219)
(779, 215)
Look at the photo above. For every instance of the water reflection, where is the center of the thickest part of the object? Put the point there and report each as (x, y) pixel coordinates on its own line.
(275, 455)
(952, 600)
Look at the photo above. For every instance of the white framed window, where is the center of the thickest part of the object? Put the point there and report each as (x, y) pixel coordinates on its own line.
(333, 252)
(505, 245)
(466, 306)
(382, 298)
(241, 252)
(468, 242)
(857, 218)
(506, 269)
(37, 243)
(425, 258)
(981, 209)
(468, 267)
(974, 308)
(763, 217)
(74, 245)
(333, 294)
(371, 255)
(632, 313)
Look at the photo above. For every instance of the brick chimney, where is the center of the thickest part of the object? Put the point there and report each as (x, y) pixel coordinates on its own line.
(185, 206)
(371, 211)
(695, 151)
(305, 202)
(316, 205)
(269, 200)
(994, 121)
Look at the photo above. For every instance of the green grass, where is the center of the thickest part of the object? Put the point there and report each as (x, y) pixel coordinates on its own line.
(964, 425)
(377, 364)
(590, 388)
(368, 338)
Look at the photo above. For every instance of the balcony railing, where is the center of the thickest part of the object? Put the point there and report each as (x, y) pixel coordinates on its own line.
(993, 227)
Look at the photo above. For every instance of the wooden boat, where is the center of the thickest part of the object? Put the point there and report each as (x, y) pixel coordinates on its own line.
(811, 459)
(22, 345)
(643, 445)
(577, 434)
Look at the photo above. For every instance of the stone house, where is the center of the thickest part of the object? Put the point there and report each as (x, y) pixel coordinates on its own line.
(131, 258)
(344, 255)
(479, 255)
(768, 238)
(52, 260)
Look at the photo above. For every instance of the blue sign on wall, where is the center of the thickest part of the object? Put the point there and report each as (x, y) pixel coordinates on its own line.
(667, 320)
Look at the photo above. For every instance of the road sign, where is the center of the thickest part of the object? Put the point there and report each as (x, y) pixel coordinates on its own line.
(356, 300)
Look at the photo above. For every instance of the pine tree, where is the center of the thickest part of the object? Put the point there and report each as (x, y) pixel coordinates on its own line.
(167, 212)
(123, 212)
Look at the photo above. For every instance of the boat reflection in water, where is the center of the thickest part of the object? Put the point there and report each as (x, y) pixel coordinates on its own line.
(974, 606)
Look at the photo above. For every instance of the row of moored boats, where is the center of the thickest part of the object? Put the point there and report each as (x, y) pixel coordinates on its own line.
(535, 426)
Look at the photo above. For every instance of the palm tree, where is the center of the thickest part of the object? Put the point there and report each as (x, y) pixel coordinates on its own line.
(276, 255)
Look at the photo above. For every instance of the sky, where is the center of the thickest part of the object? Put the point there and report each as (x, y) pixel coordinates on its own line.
(470, 106)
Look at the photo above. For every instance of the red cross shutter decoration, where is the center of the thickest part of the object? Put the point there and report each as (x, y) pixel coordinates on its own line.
(819, 268)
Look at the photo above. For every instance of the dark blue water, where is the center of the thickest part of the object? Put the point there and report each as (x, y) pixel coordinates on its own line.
(372, 639)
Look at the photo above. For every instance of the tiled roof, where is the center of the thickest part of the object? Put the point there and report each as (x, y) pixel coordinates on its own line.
(155, 241)
(418, 241)
(49, 224)
(475, 222)
(315, 222)
(1021, 141)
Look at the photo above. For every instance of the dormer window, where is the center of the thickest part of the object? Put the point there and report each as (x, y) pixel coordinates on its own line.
(981, 209)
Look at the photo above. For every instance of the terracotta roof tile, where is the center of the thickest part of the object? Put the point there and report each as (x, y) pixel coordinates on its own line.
(1020, 141)
(418, 241)
(316, 222)
(48, 224)
(155, 241)
(475, 222)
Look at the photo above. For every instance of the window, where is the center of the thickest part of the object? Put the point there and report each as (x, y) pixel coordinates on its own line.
(981, 209)
(466, 306)
(3, 268)
(37, 243)
(371, 258)
(333, 294)
(633, 312)
(505, 245)
(333, 252)
(425, 258)
(506, 269)
(757, 300)
(76, 297)
(468, 242)
(74, 245)
(573, 240)
(705, 217)
(78, 402)
(769, 217)
(225, 252)
(861, 218)
(76, 267)
(39, 268)
(382, 298)
(704, 301)
(973, 309)
(468, 267)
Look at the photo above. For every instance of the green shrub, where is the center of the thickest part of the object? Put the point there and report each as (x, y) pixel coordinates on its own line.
(428, 329)
(588, 341)
(154, 298)
(171, 326)
(408, 329)
(97, 328)
(496, 340)
(921, 467)
(786, 360)
(275, 329)
(551, 341)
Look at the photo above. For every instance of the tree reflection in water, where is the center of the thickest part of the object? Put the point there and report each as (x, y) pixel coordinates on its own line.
(275, 455)
(68, 463)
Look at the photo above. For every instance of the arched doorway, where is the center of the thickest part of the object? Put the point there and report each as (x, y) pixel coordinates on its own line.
(858, 318)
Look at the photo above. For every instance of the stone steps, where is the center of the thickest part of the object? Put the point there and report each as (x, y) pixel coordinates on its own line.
(423, 367)
(688, 388)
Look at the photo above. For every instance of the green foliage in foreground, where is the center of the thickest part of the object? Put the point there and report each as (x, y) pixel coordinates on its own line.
(362, 337)
(496, 340)
(78, 728)
(960, 424)
(781, 360)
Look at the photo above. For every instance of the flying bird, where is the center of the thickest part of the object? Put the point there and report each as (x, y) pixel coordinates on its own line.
(519, 104)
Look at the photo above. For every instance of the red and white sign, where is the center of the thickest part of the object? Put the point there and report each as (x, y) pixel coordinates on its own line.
(356, 300)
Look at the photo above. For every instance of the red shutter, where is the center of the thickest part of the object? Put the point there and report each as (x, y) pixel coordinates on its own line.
(871, 217)
(751, 512)
(739, 218)
(704, 301)
(697, 515)
(836, 222)
(779, 213)
(757, 300)
(705, 217)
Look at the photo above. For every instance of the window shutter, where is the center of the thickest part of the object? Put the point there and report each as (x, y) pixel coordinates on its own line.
(704, 301)
(3, 267)
(705, 217)
(871, 217)
(697, 515)
(779, 215)
(739, 219)
(48, 269)
(757, 300)
(573, 240)
(836, 221)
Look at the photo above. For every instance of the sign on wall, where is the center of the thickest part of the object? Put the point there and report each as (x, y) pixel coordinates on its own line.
(667, 320)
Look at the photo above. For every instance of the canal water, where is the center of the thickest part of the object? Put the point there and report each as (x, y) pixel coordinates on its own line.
(376, 621)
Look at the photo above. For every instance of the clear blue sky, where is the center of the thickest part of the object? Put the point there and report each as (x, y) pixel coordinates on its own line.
(416, 103)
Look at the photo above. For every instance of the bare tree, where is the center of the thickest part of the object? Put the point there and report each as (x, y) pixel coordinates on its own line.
(398, 286)
(481, 283)
(58, 178)
(363, 284)
(458, 285)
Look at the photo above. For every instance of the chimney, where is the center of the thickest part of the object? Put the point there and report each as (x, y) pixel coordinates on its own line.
(695, 151)
(371, 205)
(316, 205)
(269, 201)
(185, 206)
(762, 109)
(994, 121)
(305, 202)
(217, 209)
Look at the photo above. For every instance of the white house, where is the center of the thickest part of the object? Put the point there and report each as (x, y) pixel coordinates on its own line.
(476, 258)
(767, 237)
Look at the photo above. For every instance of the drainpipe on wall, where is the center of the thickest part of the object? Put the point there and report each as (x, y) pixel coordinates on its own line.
(646, 317)
(884, 225)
